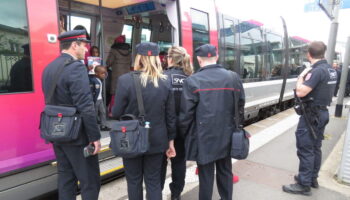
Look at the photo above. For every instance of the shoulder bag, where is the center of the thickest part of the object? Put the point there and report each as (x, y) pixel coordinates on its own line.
(130, 135)
(240, 137)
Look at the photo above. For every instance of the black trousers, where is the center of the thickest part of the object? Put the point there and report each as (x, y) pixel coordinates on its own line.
(178, 168)
(309, 150)
(73, 167)
(147, 167)
(223, 179)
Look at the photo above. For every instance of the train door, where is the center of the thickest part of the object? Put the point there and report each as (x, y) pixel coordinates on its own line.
(198, 25)
(137, 20)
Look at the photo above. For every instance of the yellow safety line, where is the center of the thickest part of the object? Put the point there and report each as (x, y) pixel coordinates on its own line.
(111, 170)
(101, 151)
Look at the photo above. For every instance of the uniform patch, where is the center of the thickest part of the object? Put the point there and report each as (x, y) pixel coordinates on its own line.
(332, 74)
(308, 76)
(97, 86)
(177, 79)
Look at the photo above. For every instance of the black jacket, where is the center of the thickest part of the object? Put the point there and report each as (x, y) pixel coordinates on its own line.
(159, 109)
(95, 87)
(207, 112)
(73, 89)
(177, 77)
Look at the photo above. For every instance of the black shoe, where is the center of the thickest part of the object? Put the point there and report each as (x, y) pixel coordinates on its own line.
(175, 197)
(314, 183)
(105, 128)
(297, 189)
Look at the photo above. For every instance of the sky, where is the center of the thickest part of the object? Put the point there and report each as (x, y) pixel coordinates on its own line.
(309, 25)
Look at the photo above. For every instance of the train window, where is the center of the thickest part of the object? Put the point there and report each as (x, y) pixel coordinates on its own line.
(15, 60)
(146, 35)
(252, 59)
(80, 21)
(127, 31)
(200, 31)
(230, 45)
(274, 54)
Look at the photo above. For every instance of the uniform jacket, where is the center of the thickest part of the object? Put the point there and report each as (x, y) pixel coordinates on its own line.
(322, 78)
(176, 76)
(95, 87)
(119, 59)
(73, 89)
(207, 112)
(159, 109)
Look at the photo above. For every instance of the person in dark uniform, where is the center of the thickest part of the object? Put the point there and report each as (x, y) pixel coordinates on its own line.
(179, 68)
(73, 89)
(315, 86)
(207, 121)
(21, 73)
(159, 107)
(338, 70)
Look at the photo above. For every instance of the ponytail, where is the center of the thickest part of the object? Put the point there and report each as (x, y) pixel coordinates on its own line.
(181, 58)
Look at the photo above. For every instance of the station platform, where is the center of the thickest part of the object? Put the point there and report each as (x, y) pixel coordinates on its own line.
(272, 163)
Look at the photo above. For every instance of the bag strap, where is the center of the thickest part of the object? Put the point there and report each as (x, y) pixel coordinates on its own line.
(54, 82)
(137, 82)
(236, 103)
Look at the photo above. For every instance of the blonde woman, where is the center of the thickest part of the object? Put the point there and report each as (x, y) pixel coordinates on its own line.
(160, 112)
(179, 68)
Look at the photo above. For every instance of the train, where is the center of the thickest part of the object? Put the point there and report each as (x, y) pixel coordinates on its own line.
(268, 63)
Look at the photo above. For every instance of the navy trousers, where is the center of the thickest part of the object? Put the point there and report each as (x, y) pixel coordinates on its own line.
(223, 179)
(73, 167)
(178, 168)
(309, 149)
(147, 167)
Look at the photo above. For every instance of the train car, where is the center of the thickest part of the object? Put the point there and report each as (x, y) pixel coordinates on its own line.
(28, 42)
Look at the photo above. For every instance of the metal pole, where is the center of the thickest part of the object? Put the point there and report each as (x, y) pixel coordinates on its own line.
(343, 79)
(285, 68)
(333, 35)
(344, 169)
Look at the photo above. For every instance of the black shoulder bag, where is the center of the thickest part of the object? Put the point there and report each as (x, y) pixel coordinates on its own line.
(130, 135)
(59, 123)
(240, 137)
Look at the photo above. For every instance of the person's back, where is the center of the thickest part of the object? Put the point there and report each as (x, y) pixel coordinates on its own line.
(213, 85)
(156, 106)
(207, 121)
(159, 109)
(72, 89)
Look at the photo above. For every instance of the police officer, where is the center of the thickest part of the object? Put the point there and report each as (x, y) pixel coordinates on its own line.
(179, 68)
(315, 86)
(207, 121)
(73, 89)
(159, 108)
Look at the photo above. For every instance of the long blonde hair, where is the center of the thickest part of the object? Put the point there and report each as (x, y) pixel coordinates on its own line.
(150, 67)
(181, 58)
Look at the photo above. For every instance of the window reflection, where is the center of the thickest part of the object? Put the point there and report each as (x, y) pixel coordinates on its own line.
(200, 31)
(15, 63)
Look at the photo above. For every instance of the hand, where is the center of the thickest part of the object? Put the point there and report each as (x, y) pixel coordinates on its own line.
(306, 70)
(97, 145)
(171, 153)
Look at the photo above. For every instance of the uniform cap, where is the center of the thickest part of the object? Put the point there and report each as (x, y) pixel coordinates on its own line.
(206, 50)
(147, 49)
(74, 35)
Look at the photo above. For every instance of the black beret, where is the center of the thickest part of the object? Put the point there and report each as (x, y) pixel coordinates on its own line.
(75, 35)
(206, 50)
(147, 49)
